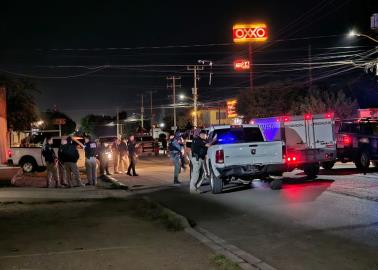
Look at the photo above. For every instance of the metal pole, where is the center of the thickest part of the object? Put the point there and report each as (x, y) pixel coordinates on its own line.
(117, 122)
(219, 113)
(250, 66)
(60, 130)
(310, 67)
(174, 103)
(151, 116)
(195, 97)
(142, 114)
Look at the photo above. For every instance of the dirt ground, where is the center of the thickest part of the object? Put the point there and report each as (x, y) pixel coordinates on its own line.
(93, 235)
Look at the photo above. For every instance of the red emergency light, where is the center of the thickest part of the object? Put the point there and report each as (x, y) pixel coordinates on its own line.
(347, 140)
(242, 64)
(328, 115)
(286, 119)
(307, 116)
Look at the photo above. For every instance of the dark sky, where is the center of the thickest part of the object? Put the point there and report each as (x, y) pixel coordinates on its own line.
(51, 41)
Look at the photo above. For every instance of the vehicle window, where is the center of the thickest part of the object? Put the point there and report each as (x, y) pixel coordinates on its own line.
(366, 129)
(350, 128)
(238, 135)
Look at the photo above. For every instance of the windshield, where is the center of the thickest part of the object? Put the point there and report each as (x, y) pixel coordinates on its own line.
(238, 135)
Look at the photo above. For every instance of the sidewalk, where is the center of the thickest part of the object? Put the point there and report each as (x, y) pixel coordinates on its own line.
(30, 195)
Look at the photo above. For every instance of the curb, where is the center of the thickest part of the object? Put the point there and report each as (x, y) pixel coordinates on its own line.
(245, 260)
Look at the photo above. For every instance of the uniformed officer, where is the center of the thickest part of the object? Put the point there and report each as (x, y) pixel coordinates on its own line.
(90, 148)
(199, 151)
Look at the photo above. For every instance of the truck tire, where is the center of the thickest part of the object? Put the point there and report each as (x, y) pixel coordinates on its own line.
(28, 164)
(311, 170)
(216, 183)
(362, 161)
(328, 165)
(276, 184)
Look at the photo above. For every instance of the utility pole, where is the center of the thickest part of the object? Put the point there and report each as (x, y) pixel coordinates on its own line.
(151, 108)
(173, 85)
(142, 112)
(117, 122)
(195, 69)
(250, 66)
(309, 67)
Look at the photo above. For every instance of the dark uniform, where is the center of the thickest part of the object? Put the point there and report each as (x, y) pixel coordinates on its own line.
(51, 164)
(131, 148)
(199, 151)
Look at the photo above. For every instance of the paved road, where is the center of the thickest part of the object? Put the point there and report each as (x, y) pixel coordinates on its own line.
(329, 223)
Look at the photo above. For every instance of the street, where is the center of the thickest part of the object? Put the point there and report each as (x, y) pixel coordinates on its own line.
(328, 223)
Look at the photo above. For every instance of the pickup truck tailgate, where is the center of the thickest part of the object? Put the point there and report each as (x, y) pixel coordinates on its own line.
(253, 153)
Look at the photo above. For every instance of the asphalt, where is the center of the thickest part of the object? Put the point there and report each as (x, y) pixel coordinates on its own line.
(329, 223)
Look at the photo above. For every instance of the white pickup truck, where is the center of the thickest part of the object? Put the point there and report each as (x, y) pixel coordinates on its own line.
(30, 158)
(241, 153)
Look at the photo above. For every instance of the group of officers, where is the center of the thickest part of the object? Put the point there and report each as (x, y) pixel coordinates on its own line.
(196, 155)
(63, 171)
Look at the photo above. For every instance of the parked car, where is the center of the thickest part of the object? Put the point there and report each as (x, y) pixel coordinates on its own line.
(147, 144)
(357, 141)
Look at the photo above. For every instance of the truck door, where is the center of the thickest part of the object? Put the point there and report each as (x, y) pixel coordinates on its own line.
(322, 131)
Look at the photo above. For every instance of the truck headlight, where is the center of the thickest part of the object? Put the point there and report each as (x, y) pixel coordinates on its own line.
(110, 156)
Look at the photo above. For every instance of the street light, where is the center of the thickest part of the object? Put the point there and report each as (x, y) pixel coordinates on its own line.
(183, 97)
(162, 125)
(354, 33)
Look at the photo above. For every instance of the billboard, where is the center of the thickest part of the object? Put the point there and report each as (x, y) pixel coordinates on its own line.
(255, 32)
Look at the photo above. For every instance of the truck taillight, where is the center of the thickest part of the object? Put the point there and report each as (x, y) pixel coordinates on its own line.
(347, 140)
(219, 157)
(9, 153)
(291, 158)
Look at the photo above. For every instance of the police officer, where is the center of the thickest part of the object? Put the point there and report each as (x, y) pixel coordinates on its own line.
(175, 155)
(90, 148)
(199, 151)
(69, 156)
(51, 163)
(103, 152)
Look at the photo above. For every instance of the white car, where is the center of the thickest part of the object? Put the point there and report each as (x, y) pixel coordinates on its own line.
(240, 153)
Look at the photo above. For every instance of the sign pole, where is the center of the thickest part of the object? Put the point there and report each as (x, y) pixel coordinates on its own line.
(60, 130)
(250, 68)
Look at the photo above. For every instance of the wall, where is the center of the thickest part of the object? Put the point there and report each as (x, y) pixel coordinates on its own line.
(3, 126)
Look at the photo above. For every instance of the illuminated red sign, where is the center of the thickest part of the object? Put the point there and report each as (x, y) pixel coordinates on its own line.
(250, 32)
(242, 64)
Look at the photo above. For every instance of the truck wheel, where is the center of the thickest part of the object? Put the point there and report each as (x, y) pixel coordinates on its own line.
(363, 160)
(328, 165)
(216, 183)
(28, 164)
(276, 184)
(311, 170)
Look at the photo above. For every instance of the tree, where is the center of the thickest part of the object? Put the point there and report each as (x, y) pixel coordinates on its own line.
(98, 125)
(22, 110)
(324, 100)
(268, 100)
(285, 98)
(50, 115)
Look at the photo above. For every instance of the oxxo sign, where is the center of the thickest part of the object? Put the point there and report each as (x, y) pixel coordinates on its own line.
(250, 32)
(242, 64)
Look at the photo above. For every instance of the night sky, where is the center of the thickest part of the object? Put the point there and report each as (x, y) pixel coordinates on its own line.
(55, 41)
